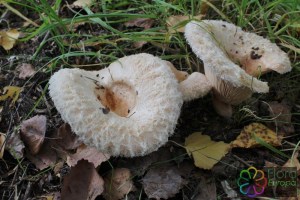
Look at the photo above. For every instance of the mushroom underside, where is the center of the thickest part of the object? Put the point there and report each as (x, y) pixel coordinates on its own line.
(233, 59)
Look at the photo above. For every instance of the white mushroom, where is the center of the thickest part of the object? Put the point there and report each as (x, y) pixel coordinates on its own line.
(233, 59)
(128, 109)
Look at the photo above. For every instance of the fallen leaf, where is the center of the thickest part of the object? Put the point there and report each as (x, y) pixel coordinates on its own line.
(117, 184)
(66, 139)
(245, 139)
(82, 3)
(176, 23)
(33, 132)
(46, 157)
(83, 182)
(282, 114)
(207, 187)
(162, 183)
(206, 153)
(90, 154)
(2, 144)
(12, 92)
(145, 23)
(293, 162)
(15, 145)
(51, 196)
(8, 38)
(139, 44)
(25, 70)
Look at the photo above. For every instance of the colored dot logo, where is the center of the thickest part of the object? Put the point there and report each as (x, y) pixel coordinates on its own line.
(252, 182)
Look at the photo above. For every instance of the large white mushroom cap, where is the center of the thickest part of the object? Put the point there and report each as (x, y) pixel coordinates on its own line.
(130, 110)
(233, 59)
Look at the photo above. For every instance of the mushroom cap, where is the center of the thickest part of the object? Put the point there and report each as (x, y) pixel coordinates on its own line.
(221, 46)
(141, 85)
(195, 86)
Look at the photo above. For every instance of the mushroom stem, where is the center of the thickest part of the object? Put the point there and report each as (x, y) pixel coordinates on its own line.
(223, 109)
(195, 86)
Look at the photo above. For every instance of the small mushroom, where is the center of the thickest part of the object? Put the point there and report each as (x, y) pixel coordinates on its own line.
(128, 109)
(233, 59)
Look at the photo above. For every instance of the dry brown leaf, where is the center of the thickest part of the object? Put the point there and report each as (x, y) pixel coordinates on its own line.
(245, 139)
(15, 145)
(82, 3)
(162, 183)
(206, 153)
(117, 184)
(2, 144)
(139, 44)
(25, 70)
(12, 92)
(33, 132)
(8, 38)
(90, 154)
(145, 23)
(46, 157)
(176, 23)
(282, 114)
(293, 162)
(83, 182)
(66, 139)
(207, 187)
(52, 196)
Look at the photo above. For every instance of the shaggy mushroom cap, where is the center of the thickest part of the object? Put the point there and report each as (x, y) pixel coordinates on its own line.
(233, 59)
(128, 109)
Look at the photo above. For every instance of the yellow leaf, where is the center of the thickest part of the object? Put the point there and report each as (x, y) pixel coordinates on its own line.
(2, 143)
(206, 153)
(8, 38)
(245, 139)
(11, 92)
(176, 23)
(82, 3)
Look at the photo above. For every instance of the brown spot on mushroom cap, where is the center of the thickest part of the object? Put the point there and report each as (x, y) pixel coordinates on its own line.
(119, 97)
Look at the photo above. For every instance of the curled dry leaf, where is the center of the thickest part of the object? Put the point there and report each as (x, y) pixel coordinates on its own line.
(25, 70)
(33, 132)
(145, 23)
(12, 92)
(206, 153)
(83, 182)
(66, 139)
(46, 157)
(246, 140)
(162, 183)
(176, 23)
(282, 114)
(15, 145)
(117, 184)
(82, 3)
(8, 38)
(90, 154)
(2, 144)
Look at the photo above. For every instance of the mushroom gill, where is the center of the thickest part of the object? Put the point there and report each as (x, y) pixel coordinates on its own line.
(233, 61)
